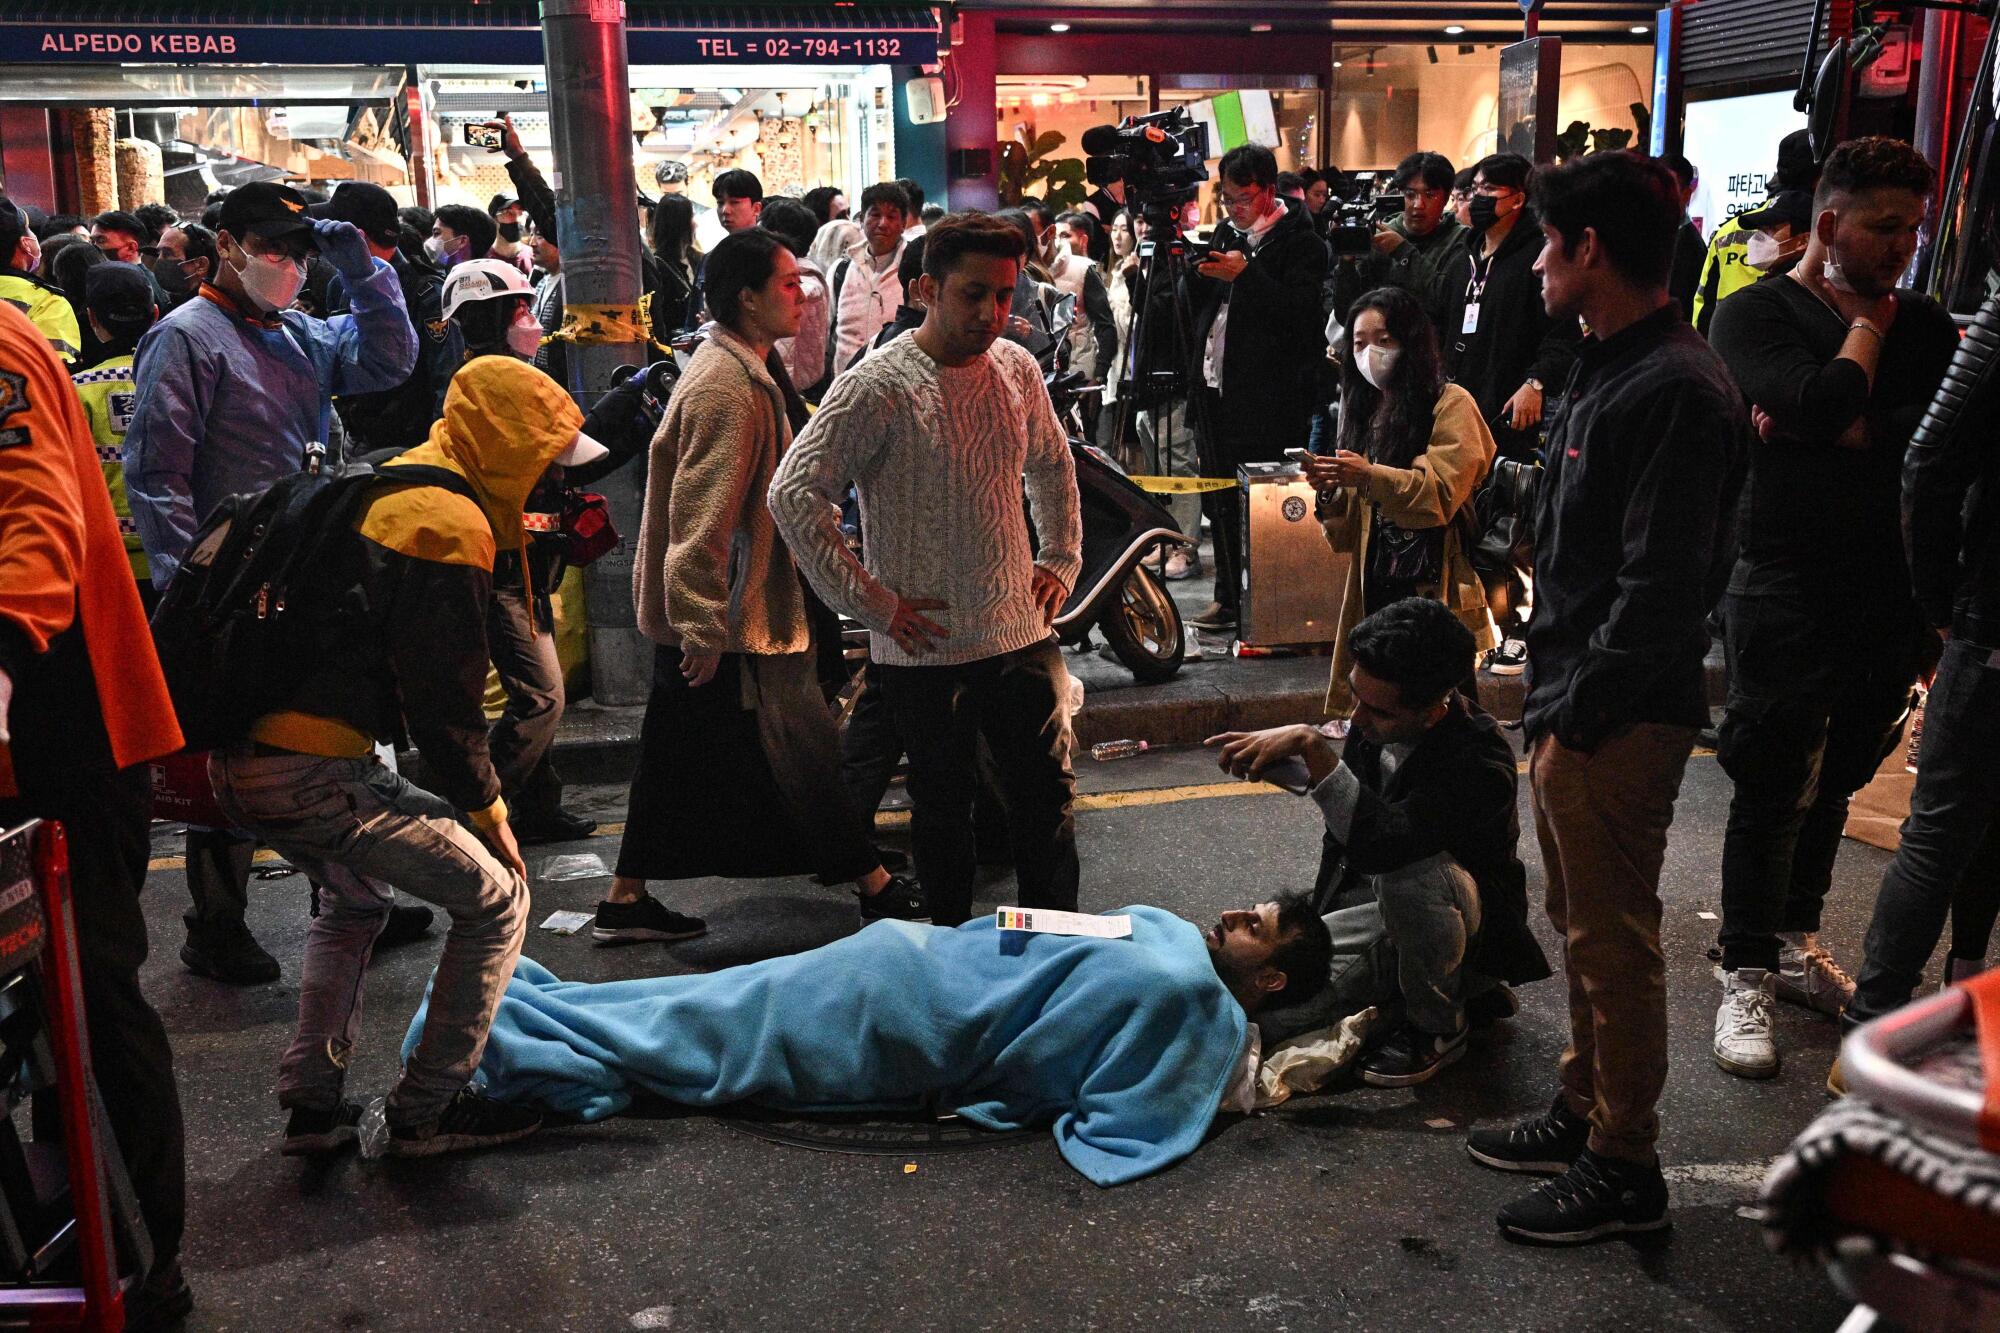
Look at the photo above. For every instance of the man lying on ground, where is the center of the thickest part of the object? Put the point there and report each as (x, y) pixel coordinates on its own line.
(1128, 1045)
(1429, 901)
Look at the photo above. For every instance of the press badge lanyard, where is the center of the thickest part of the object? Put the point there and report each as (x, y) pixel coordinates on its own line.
(1475, 289)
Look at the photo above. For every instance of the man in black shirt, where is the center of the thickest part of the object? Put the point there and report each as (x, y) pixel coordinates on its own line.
(1499, 341)
(1643, 445)
(1690, 250)
(1825, 640)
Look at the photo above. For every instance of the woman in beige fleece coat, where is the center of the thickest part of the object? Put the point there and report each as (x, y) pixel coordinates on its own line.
(1395, 500)
(739, 763)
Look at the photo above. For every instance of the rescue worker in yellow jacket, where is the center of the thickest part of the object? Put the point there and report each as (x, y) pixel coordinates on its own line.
(46, 308)
(118, 302)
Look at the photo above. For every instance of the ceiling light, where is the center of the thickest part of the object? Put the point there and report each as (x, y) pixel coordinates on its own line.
(1059, 27)
(1260, 27)
(1453, 29)
(1640, 29)
(1336, 64)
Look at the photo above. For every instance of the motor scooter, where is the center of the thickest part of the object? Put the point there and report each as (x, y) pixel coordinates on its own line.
(1115, 590)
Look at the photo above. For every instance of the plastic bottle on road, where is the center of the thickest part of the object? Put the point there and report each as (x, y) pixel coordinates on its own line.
(1104, 750)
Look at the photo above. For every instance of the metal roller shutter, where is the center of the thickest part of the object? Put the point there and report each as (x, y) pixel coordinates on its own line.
(1740, 41)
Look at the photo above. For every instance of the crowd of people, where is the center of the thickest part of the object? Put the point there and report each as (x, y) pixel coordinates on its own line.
(1713, 438)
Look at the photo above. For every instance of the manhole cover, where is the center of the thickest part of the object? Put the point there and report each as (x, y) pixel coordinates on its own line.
(870, 1135)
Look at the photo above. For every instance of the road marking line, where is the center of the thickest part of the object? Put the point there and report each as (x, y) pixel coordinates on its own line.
(896, 819)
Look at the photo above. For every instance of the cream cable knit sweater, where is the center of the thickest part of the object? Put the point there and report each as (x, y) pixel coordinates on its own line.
(937, 456)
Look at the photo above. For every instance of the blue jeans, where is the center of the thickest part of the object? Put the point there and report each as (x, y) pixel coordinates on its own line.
(357, 828)
(1949, 860)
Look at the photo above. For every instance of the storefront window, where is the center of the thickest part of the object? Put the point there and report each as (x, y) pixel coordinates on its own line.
(794, 126)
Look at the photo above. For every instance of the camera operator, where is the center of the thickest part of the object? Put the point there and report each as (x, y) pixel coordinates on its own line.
(1259, 338)
(1412, 249)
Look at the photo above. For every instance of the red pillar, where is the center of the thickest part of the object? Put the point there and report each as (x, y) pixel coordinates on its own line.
(972, 130)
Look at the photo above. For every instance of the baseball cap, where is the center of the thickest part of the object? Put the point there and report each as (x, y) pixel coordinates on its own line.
(500, 203)
(481, 280)
(120, 296)
(1796, 168)
(582, 450)
(1786, 206)
(266, 210)
(367, 205)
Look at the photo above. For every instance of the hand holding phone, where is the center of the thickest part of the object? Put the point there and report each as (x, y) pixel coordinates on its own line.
(488, 137)
(1300, 456)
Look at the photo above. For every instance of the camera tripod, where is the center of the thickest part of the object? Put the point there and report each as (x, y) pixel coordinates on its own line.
(1144, 384)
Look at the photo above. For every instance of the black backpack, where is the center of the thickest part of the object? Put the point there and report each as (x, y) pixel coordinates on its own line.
(256, 599)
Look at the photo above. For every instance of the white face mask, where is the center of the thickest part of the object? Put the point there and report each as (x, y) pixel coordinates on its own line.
(524, 336)
(1763, 250)
(272, 284)
(1836, 277)
(1376, 363)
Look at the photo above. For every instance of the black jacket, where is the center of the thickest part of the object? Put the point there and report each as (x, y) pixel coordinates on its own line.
(400, 418)
(1951, 491)
(1684, 279)
(1454, 793)
(1632, 523)
(1276, 338)
(1516, 340)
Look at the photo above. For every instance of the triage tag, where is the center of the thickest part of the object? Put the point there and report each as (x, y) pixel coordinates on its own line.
(1471, 324)
(1045, 921)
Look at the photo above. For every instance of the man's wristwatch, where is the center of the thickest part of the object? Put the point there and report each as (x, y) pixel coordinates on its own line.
(1534, 384)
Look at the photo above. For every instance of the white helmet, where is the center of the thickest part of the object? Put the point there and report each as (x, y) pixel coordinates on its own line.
(482, 280)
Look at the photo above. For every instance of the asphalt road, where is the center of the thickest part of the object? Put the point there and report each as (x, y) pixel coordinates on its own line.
(1357, 1209)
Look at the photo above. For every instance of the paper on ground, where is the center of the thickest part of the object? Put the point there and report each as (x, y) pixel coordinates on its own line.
(567, 923)
(1045, 921)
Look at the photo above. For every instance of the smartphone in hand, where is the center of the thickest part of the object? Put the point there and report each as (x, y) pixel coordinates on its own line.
(484, 136)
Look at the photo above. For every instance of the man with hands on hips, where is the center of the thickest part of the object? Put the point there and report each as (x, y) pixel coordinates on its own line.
(936, 432)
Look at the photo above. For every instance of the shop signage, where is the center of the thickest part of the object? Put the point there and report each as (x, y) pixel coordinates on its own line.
(804, 44)
(1733, 143)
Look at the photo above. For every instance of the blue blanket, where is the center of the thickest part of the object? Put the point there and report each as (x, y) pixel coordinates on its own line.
(1126, 1045)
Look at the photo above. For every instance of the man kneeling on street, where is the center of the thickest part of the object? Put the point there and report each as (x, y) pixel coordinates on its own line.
(1429, 898)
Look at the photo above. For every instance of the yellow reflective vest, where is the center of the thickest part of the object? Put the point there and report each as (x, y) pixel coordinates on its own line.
(106, 391)
(1726, 271)
(46, 308)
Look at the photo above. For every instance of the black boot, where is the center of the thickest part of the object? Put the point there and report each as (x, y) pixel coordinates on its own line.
(219, 945)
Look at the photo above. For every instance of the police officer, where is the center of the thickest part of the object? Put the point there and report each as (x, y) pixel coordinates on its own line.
(46, 307)
(118, 301)
(397, 418)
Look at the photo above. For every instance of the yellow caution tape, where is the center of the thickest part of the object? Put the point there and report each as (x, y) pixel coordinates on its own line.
(1181, 485)
(601, 324)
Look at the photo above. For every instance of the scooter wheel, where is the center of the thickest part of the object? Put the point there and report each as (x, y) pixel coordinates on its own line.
(1143, 626)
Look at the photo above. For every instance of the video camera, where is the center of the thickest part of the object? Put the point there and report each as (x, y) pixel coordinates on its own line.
(1162, 158)
(1364, 201)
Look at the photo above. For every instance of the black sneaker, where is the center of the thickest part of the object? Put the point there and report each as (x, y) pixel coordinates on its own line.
(1412, 1056)
(314, 1133)
(561, 826)
(1491, 1006)
(228, 954)
(470, 1120)
(1509, 659)
(407, 924)
(1545, 1145)
(646, 919)
(1595, 1198)
(902, 900)
(161, 1303)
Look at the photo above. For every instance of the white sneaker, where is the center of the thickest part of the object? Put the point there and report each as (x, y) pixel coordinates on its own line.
(1181, 565)
(1743, 1043)
(1808, 976)
(1509, 659)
